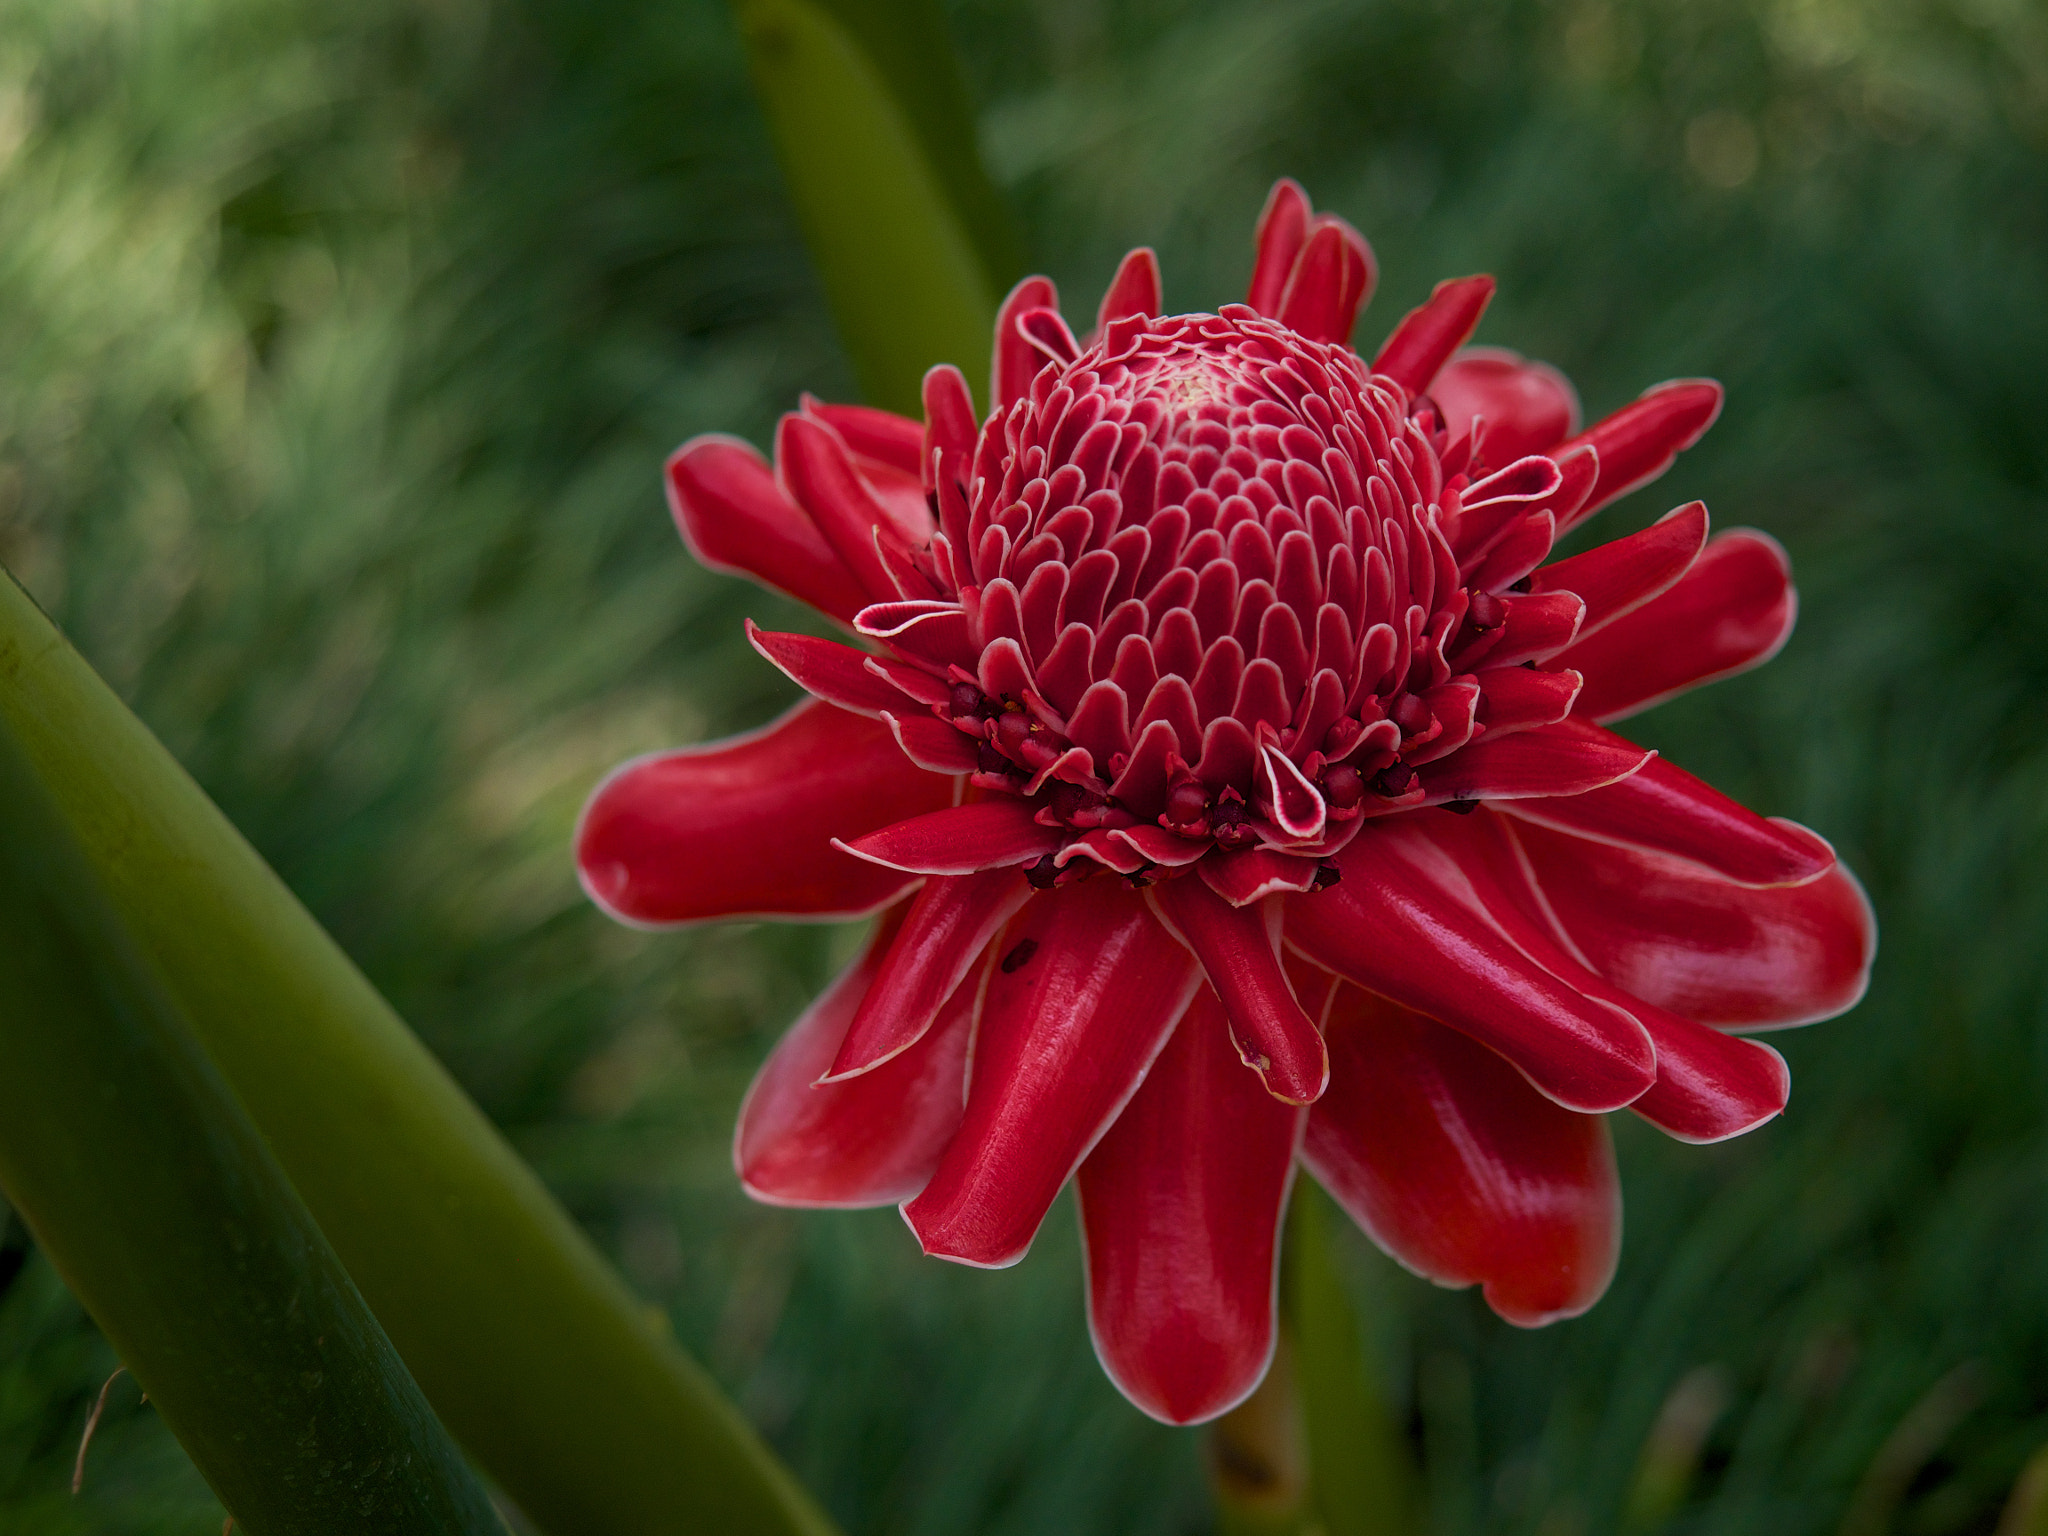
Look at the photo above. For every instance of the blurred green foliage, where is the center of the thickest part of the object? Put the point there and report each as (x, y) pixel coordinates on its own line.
(339, 351)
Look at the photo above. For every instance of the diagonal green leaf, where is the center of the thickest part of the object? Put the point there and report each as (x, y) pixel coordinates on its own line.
(871, 123)
(525, 1341)
(155, 1197)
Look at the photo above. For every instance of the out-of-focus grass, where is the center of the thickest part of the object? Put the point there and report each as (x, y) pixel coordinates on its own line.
(339, 351)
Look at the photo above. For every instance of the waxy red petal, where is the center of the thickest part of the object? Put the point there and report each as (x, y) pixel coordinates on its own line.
(1719, 953)
(1066, 1035)
(745, 826)
(1459, 1169)
(1528, 406)
(735, 517)
(885, 439)
(1180, 1207)
(1427, 336)
(949, 924)
(1281, 233)
(1332, 278)
(1620, 576)
(1239, 948)
(1639, 442)
(1135, 290)
(825, 669)
(1567, 758)
(871, 1141)
(1405, 922)
(1732, 611)
(1664, 809)
(1017, 361)
(818, 474)
(987, 834)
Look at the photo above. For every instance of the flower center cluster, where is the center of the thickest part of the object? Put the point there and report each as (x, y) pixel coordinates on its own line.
(1209, 585)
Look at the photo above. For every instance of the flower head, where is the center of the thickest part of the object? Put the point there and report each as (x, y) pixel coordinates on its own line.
(1227, 760)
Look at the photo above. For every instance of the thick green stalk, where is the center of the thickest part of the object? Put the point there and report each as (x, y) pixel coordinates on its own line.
(526, 1342)
(871, 123)
(153, 1194)
(1359, 1475)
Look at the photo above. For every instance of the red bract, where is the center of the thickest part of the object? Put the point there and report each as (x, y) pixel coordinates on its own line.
(1231, 771)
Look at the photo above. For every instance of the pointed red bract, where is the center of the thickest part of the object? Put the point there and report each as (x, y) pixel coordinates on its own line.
(1281, 233)
(1068, 1028)
(1331, 280)
(1405, 923)
(1459, 1168)
(949, 924)
(734, 516)
(960, 840)
(1732, 611)
(1617, 578)
(1017, 361)
(1239, 948)
(1723, 954)
(1135, 290)
(1427, 336)
(1639, 442)
(744, 827)
(1181, 1205)
(871, 1141)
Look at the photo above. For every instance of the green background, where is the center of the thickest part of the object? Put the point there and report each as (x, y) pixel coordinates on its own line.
(339, 351)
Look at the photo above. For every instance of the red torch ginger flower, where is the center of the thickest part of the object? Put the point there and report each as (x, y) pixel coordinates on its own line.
(1231, 773)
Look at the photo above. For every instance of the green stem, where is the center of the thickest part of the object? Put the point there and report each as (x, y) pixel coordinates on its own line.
(155, 1197)
(526, 1342)
(871, 123)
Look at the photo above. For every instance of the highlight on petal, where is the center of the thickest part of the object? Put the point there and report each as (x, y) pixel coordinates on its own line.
(1405, 922)
(1239, 948)
(1733, 610)
(1459, 1169)
(1641, 440)
(959, 840)
(1664, 809)
(1527, 406)
(745, 827)
(1181, 1204)
(1427, 336)
(873, 1140)
(733, 515)
(1731, 956)
(951, 921)
(1087, 992)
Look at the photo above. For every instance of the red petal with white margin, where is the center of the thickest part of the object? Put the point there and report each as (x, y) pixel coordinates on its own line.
(745, 826)
(1723, 954)
(1180, 1208)
(951, 922)
(871, 1141)
(1528, 406)
(827, 670)
(1732, 611)
(1065, 1038)
(1239, 948)
(1459, 1169)
(1563, 759)
(1406, 923)
(735, 518)
(1133, 291)
(1620, 576)
(1428, 334)
(1710, 1086)
(1664, 809)
(819, 475)
(1282, 232)
(1639, 442)
(1332, 278)
(1017, 361)
(988, 834)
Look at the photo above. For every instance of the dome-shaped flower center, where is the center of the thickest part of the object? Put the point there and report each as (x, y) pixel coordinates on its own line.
(1210, 585)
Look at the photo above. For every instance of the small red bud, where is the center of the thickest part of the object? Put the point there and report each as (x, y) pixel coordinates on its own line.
(1186, 803)
(1486, 612)
(1343, 787)
(1412, 715)
(1394, 780)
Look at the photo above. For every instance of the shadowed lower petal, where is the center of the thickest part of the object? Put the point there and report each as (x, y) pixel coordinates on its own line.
(1461, 1170)
(744, 826)
(1180, 1206)
(1068, 1028)
(873, 1140)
